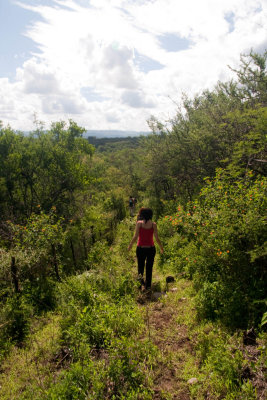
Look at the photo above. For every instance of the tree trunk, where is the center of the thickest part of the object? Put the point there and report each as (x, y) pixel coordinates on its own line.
(85, 248)
(14, 275)
(73, 253)
(55, 262)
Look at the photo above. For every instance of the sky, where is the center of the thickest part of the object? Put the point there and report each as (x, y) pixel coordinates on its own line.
(112, 64)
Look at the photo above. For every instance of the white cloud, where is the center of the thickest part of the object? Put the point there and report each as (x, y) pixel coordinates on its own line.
(112, 117)
(136, 99)
(115, 49)
(63, 105)
(117, 68)
(37, 78)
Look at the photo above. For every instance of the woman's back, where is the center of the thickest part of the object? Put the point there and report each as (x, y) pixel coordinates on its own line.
(145, 224)
(146, 230)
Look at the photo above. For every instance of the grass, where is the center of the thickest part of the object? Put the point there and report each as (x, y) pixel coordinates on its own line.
(28, 370)
(223, 367)
(156, 360)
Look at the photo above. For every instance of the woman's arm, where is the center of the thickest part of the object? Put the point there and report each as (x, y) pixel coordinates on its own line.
(135, 236)
(157, 236)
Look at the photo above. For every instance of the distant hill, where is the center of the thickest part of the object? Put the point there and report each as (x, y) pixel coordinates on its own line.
(100, 134)
(113, 133)
(106, 144)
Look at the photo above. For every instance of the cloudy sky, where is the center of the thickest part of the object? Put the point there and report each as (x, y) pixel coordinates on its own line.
(111, 64)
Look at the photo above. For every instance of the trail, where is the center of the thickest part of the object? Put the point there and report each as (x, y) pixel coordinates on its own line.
(164, 313)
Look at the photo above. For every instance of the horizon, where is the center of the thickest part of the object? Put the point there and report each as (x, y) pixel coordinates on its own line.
(106, 133)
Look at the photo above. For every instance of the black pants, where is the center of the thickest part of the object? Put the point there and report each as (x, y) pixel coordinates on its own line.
(145, 257)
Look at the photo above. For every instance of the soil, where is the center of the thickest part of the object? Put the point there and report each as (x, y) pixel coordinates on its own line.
(172, 340)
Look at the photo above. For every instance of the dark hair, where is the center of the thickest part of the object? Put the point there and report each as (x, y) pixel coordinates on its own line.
(145, 213)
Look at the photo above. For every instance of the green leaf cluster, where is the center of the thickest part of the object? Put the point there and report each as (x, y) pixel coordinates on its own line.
(219, 241)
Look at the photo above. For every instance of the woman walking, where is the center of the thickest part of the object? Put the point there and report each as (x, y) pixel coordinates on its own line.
(145, 230)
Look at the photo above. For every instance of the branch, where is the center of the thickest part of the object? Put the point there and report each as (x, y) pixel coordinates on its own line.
(256, 159)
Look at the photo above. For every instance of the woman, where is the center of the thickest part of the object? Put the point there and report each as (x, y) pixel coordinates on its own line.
(144, 231)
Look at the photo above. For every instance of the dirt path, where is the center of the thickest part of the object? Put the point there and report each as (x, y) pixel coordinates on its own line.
(167, 329)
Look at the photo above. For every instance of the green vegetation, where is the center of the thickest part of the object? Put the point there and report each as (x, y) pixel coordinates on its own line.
(219, 241)
(73, 323)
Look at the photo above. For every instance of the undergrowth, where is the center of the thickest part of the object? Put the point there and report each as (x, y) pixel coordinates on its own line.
(98, 344)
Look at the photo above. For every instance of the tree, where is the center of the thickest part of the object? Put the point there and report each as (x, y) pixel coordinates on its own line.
(44, 168)
(225, 126)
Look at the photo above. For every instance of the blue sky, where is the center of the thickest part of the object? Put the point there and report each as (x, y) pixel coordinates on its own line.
(14, 46)
(112, 64)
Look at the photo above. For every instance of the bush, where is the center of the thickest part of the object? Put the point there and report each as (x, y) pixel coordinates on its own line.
(14, 321)
(221, 364)
(41, 294)
(220, 243)
(100, 326)
(94, 312)
(120, 374)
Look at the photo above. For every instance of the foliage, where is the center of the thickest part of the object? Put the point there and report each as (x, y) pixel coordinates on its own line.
(34, 244)
(31, 252)
(43, 168)
(29, 269)
(216, 129)
(100, 324)
(96, 310)
(249, 151)
(14, 322)
(65, 228)
(252, 77)
(121, 376)
(225, 370)
(264, 319)
(220, 243)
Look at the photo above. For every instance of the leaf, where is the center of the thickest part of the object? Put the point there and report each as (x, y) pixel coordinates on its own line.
(264, 319)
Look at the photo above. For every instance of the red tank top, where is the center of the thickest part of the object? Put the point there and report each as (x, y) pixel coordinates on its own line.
(145, 237)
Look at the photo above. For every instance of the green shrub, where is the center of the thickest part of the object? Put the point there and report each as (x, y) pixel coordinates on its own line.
(121, 373)
(100, 327)
(41, 294)
(99, 254)
(130, 361)
(94, 312)
(225, 368)
(220, 241)
(96, 326)
(80, 382)
(15, 320)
